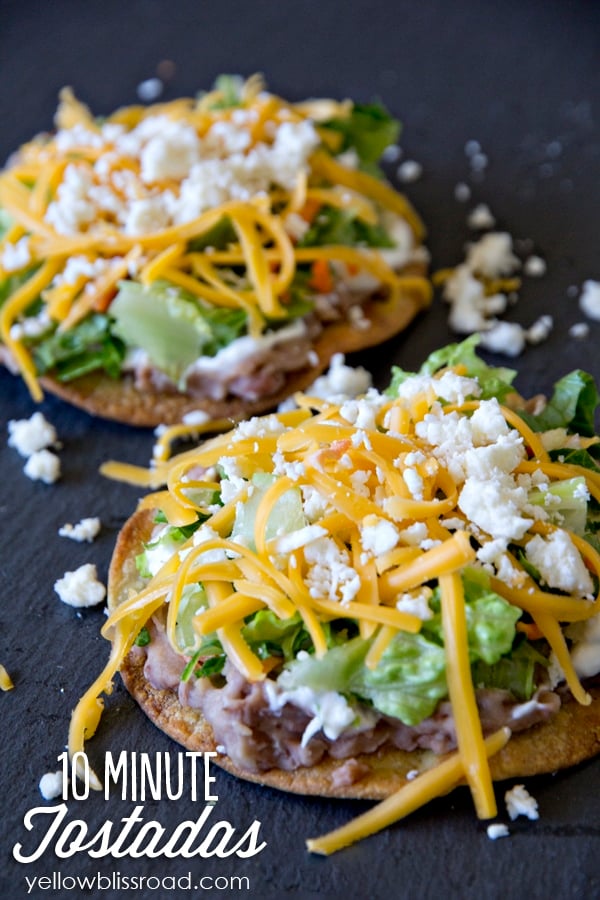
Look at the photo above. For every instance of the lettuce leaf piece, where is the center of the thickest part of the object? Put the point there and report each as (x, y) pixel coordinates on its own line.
(6, 222)
(490, 618)
(409, 680)
(335, 671)
(494, 381)
(514, 673)
(87, 347)
(14, 281)
(572, 405)
(159, 550)
(369, 129)
(565, 502)
(171, 325)
(268, 635)
(341, 227)
(219, 236)
(230, 89)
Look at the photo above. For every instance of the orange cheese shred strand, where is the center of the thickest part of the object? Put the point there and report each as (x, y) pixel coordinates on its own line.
(371, 187)
(311, 621)
(234, 645)
(384, 615)
(552, 632)
(87, 713)
(562, 471)
(534, 601)
(412, 796)
(444, 559)
(235, 606)
(384, 637)
(12, 308)
(273, 493)
(6, 682)
(467, 723)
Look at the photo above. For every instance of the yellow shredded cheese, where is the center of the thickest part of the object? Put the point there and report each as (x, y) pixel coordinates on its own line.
(322, 522)
(6, 682)
(134, 217)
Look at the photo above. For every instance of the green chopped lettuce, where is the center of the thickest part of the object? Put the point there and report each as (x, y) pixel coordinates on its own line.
(368, 130)
(87, 347)
(171, 325)
(410, 679)
(565, 502)
(342, 227)
(572, 405)
(287, 514)
(493, 381)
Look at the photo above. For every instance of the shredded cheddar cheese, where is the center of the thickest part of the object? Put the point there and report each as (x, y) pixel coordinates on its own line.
(363, 512)
(140, 194)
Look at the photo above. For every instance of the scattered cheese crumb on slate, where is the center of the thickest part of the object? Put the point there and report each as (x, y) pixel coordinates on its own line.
(84, 530)
(51, 785)
(81, 587)
(519, 802)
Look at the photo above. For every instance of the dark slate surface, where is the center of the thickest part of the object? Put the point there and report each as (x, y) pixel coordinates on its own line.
(517, 77)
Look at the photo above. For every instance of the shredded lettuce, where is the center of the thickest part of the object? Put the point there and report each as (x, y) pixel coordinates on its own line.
(572, 405)
(368, 130)
(171, 325)
(410, 679)
(494, 381)
(341, 227)
(87, 347)
(566, 503)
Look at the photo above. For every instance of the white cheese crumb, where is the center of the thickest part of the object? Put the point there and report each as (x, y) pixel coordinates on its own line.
(481, 218)
(81, 587)
(16, 256)
(519, 802)
(492, 255)
(559, 563)
(196, 417)
(28, 436)
(504, 337)
(540, 330)
(392, 153)
(341, 382)
(378, 535)
(534, 266)
(410, 170)
(84, 530)
(150, 89)
(472, 147)
(51, 785)
(497, 830)
(589, 301)
(462, 192)
(43, 466)
(579, 330)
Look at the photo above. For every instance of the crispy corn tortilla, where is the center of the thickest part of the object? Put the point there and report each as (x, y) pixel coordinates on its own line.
(120, 400)
(570, 737)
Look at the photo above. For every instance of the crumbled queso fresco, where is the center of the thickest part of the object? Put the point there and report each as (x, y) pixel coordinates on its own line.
(81, 587)
(51, 785)
(31, 438)
(519, 802)
(473, 309)
(209, 171)
(85, 530)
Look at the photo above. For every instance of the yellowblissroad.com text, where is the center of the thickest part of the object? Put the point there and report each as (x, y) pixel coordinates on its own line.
(116, 881)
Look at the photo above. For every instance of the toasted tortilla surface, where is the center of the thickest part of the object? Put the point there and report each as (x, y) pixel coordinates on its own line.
(569, 738)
